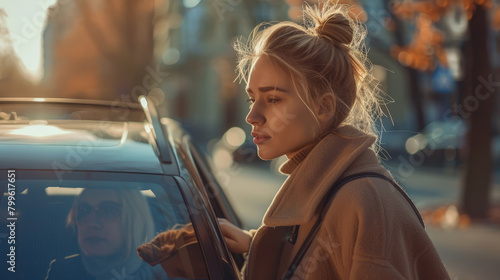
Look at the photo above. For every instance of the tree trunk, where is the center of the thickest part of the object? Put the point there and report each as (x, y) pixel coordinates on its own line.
(416, 96)
(477, 108)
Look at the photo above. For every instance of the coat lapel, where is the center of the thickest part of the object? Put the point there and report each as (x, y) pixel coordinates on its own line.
(264, 258)
(297, 200)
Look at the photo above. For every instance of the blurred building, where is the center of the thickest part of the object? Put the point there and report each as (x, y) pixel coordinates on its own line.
(97, 49)
(13, 82)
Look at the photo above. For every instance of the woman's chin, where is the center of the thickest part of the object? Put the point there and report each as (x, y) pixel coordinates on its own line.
(98, 254)
(266, 156)
(91, 251)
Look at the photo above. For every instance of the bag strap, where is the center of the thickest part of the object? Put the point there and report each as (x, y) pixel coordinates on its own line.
(314, 230)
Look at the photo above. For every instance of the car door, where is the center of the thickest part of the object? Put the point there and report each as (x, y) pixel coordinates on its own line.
(213, 194)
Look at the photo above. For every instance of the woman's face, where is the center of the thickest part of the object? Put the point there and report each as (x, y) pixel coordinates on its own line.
(98, 219)
(281, 123)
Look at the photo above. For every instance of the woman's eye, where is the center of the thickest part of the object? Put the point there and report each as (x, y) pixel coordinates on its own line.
(251, 100)
(273, 100)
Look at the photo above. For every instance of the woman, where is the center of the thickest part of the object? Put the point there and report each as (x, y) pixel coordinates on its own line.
(314, 100)
(110, 225)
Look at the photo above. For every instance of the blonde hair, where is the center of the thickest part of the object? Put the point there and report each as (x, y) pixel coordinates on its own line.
(325, 55)
(137, 224)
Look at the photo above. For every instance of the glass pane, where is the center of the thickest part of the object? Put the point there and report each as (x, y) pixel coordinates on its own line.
(54, 111)
(92, 229)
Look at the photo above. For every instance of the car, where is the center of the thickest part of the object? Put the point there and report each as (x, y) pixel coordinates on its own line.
(86, 184)
(439, 144)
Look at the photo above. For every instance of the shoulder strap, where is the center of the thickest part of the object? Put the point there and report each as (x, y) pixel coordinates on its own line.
(314, 230)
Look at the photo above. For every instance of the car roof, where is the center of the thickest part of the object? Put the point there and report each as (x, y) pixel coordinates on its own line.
(83, 135)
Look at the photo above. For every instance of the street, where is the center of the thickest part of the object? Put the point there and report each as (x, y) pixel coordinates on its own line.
(471, 253)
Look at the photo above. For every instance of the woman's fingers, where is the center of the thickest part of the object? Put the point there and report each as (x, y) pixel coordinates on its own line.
(237, 240)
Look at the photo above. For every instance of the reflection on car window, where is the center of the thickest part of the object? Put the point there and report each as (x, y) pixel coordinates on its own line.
(90, 230)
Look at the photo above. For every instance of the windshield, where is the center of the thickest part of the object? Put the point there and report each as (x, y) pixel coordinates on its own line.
(88, 229)
(62, 111)
(68, 133)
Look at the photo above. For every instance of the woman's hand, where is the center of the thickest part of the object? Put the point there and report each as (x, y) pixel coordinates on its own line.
(238, 240)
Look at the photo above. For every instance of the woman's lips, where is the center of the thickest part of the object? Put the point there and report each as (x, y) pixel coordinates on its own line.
(94, 240)
(259, 138)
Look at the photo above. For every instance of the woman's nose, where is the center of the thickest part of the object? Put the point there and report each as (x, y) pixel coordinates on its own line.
(255, 116)
(93, 221)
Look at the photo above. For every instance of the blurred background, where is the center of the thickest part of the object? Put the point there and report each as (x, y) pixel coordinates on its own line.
(437, 60)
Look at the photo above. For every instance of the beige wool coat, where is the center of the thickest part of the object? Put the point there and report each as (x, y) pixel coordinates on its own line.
(369, 232)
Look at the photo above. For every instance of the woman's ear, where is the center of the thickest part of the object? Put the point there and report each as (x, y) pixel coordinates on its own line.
(326, 107)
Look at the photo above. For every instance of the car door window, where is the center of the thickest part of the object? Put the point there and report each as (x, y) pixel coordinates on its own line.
(92, 229)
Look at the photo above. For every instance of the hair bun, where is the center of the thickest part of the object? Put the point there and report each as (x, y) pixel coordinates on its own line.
(331, 23)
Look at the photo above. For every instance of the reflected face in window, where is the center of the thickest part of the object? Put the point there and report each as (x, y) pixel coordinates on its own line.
(98, 220)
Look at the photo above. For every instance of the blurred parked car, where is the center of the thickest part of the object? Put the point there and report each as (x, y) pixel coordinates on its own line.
(83, 183)
(438, 145)
(440, 142)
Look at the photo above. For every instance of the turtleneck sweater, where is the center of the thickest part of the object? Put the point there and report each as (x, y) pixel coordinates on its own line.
(289, 166)
(313, 170)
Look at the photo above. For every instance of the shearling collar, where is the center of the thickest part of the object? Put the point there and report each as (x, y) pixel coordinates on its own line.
(312, 172)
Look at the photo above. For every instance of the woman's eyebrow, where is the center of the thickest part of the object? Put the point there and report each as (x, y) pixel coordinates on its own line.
(266, 89)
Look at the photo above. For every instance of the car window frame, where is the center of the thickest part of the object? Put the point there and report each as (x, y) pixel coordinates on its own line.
(222, 207)
(234, 260)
